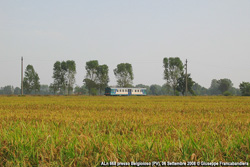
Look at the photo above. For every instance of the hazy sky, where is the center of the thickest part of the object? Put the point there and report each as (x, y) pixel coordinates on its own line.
(214, 35)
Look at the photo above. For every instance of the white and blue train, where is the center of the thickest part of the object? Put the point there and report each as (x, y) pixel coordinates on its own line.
(125, 91)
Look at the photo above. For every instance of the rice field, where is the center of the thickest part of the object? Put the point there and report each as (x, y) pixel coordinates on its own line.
(85, 131)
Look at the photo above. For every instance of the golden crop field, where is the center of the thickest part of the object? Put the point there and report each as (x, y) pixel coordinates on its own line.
(85, 131)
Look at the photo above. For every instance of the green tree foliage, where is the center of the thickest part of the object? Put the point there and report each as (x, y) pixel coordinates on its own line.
(17, 91)
(70, 75)
(31, 80)
(91, 68)
(173, 67)
(181, 84)
(45, 90)
(102, 77)
(81, 90)
(90, 85)
(234, 91)
(199, 90)
(224, 85)
(91, 75)
(64, 77)
(124, 75)
(214, 88)
(245, 88)
(93, 91)
(227, 93)
(141, 86)
(96, 77)
(7, 90)
(155, 89)
(167, 90)
(58, 78)
(36, 83)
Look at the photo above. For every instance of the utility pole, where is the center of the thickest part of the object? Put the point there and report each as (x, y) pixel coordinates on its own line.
(22, 75)
(186, 80)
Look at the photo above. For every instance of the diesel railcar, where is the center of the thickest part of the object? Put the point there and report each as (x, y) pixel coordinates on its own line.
(125, 91)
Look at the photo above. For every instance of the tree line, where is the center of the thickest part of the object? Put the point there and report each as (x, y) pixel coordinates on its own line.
(97, 79)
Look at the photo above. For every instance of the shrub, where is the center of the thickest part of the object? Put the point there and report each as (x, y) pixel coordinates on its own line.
(227, 93)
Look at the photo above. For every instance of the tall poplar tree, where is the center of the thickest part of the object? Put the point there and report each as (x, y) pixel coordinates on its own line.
(64, 76)
(31, 80)
(102, 77)
(96, 77)
(70, 75)
(173, 67)
(124, 75)
(90, 79)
